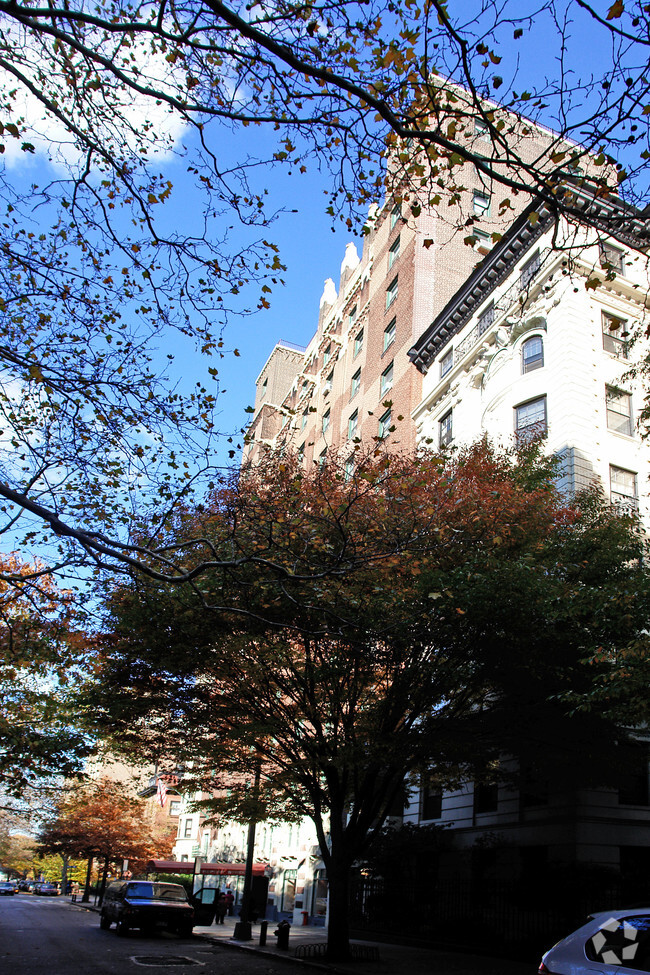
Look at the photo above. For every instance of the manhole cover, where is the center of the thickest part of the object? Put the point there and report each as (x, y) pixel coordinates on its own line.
(164, 961)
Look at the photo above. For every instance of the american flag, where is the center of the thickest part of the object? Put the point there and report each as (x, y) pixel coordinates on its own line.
(161, 792)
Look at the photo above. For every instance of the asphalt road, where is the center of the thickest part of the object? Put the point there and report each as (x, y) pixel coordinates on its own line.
(49, 936)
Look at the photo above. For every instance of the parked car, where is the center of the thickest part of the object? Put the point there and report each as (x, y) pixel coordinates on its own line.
(7, 889)
(47, 890)
(146, 905)
(610, 943)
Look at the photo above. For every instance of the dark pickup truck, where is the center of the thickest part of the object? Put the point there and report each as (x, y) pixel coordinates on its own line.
(146, 905)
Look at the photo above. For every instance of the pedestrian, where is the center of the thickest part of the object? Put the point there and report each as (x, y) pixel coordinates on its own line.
(222, 907)
(230, 901)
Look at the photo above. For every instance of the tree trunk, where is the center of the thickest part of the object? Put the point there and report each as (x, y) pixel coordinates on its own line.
(86, 896)
(102, 886)
(338, 931)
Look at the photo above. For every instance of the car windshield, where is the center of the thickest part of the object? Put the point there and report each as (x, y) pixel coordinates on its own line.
(166, 892)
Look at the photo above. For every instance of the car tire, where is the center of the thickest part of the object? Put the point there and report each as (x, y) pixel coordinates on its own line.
(122, 928)
(104, 922)
(185, 931)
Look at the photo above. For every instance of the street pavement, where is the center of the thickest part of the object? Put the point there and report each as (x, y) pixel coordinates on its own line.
(392, 959)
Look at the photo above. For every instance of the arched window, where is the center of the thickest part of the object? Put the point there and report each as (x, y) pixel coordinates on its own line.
(532, 354)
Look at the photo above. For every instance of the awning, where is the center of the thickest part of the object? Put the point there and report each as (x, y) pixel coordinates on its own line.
(187, 866)
(238, 869)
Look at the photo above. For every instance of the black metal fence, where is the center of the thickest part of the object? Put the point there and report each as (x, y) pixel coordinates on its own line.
(494, 917)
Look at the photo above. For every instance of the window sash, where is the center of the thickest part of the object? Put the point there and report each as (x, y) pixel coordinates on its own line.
(389, 333)
(386, 379)
(445, 429)
(353, 423)
(358, 344)
(393, 252)
(623, 487)
(446, 363)
(355, 385)
(530, 419)
(532, 354)
(391, 292)
(619, 411)
(326, 421)
(481, 204)
(384, 425)
(612, 340)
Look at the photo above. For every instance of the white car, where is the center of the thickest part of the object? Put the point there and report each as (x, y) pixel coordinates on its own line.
(610, 943)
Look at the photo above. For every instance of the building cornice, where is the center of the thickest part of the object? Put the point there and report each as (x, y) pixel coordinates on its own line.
(615, 218)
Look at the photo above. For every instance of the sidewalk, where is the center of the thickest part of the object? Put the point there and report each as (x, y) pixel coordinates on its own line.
(393, 959)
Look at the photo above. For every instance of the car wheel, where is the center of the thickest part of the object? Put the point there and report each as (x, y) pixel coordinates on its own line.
(185, 931)
(104, 922)
(122, 928)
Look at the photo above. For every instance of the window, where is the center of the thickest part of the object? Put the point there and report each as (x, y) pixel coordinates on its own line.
(395, 214)
(532, 354)
(356, 383)
(329, 382)
(486, 797)
(327, 354)
(430, 801)
(614, 334)
(633, 787)
(304, 418)
(481, 204)
(352, 316)
(264, 388)
(389, 333)
(619, 410)
(188, 829)
(322, 458)
(481, 130)
(446, 363)
(386, 379)
(393, 253)
(623, 488)
(622, 941)
(529, 270)
(486, 320)
(482, 241)
(358, 343)
(391, 293)
(301, 452)
(612, 257)
(384, 425)
(445, 432)
(326, 421)
(349, 468)
(174, 807)
(530, 420)
(353, 424)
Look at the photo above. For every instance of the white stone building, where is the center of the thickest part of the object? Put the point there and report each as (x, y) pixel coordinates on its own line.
(541, 340)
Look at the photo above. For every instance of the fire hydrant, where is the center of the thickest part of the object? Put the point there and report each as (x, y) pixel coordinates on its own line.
(282, 933)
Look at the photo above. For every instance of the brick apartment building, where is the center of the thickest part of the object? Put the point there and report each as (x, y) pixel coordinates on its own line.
(354, 381)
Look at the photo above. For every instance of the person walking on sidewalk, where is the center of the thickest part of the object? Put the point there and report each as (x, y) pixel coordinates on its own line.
(222, 908)
(230, 901)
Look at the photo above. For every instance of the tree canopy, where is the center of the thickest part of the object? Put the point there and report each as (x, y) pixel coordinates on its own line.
(100, 434)
(470, 596)
(42, 654)
(101, 820)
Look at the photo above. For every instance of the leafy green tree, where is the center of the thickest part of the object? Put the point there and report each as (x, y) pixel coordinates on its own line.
(97, 275)
(428, 612)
